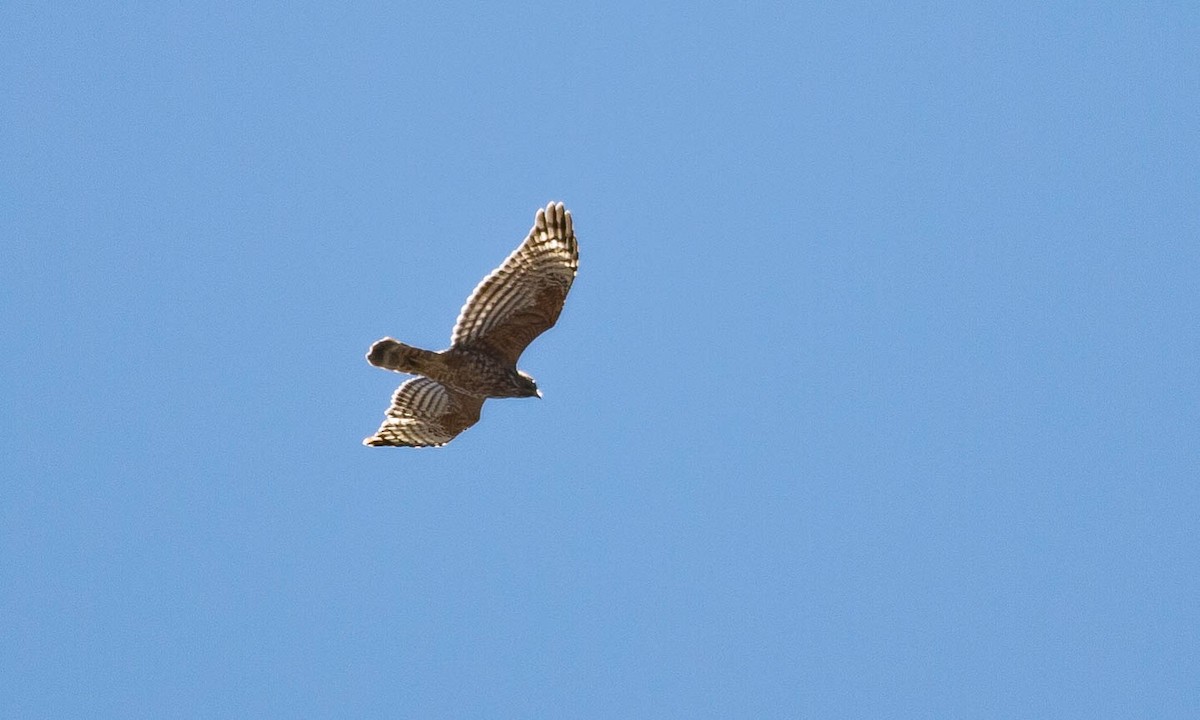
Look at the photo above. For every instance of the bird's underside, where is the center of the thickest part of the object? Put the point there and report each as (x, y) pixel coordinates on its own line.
(514, 304)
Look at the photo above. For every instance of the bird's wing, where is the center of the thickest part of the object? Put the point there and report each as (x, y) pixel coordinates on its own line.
(523, 297)
(426, 413)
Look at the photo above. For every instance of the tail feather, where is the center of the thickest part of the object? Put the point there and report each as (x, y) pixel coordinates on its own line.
(391, 354)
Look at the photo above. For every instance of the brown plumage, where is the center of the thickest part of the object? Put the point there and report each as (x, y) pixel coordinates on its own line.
(514, 304)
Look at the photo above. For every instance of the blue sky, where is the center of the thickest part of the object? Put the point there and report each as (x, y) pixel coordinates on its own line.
(876, 395)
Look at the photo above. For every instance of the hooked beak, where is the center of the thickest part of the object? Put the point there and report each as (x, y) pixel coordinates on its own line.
(539, 393)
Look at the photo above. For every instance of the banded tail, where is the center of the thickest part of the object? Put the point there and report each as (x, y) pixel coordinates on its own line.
(391, 354)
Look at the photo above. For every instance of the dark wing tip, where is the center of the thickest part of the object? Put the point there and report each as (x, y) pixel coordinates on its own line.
(554, 215)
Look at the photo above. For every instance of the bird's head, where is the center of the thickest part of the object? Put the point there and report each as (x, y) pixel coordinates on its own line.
(526, 386)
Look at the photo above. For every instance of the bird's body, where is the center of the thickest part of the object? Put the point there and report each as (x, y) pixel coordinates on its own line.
(464, 370)
(514, 304)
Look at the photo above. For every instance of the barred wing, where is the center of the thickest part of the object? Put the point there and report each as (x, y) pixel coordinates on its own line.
(523, 297)
(425, 413)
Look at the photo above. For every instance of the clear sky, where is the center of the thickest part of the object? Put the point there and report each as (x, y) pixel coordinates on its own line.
(877, 395)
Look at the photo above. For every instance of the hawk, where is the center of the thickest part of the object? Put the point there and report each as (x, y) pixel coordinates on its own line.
(514, 304)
